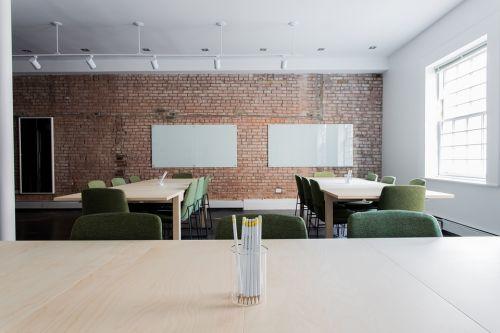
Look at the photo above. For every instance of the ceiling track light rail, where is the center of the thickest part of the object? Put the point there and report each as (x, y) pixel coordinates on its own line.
(154, 59)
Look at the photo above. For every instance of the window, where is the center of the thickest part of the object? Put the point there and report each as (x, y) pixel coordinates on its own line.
(461, 95)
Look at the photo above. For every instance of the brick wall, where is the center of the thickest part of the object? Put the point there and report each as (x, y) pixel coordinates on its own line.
(102, 123)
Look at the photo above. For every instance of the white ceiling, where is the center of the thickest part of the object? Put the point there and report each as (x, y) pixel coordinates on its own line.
(344, 28)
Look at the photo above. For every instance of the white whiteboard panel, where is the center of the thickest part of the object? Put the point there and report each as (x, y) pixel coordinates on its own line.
(194, 145)
(314, 145)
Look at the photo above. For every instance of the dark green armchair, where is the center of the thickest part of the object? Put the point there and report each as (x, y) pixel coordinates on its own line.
(274, 226)
(117, 226)
(391, 224)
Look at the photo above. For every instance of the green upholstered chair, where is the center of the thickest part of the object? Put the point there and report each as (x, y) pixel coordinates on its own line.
(206, 199)
(117, 226)
(402, 197)
(182, 175)
(306, 186)
(134, 179)
(372, 177)
(103, 200)
(392, 223)
(118, 181)
(198, 203)
(319, 174)
(388, 180)
(318, 201)
(274, 226)
(187, 208)
(300, 196)
(96, 184)
(417, 181)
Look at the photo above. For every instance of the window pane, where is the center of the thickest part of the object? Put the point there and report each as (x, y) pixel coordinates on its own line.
(462, 141)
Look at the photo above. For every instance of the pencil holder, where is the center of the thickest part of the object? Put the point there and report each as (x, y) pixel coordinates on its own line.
(249, 276)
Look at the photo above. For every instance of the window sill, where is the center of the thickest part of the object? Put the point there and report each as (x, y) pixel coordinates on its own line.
(462, 181)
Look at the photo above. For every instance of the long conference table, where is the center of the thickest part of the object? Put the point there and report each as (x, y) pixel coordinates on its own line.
(150, 191)
(323, 285)
(335, 189)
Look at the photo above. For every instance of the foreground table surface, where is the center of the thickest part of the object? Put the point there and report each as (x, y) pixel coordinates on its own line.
(385, 285)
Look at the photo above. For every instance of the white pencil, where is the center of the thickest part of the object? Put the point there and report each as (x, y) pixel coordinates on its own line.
(237, 251)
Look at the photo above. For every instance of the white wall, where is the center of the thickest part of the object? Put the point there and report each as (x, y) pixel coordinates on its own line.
(404, 110)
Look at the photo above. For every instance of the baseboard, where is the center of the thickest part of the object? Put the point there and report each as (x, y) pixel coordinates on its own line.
(248, 204)
(226, 203)
(269, 204)
(47, 205)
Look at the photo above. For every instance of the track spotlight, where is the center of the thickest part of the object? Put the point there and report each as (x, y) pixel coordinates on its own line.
(90, 62)
(34, 62)
(217, 63)
(284, 63)
(154, 63)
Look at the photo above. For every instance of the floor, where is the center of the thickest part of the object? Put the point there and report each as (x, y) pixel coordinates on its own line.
(56, 224)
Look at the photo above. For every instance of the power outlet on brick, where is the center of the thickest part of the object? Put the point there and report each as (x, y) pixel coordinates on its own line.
(278, 190)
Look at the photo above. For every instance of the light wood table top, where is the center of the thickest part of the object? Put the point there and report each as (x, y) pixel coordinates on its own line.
(359, 189)
(390, 285)
(144, 191)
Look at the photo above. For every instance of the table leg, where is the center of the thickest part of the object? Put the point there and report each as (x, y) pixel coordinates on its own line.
(203, 213)
(176, 218)
(329, 215)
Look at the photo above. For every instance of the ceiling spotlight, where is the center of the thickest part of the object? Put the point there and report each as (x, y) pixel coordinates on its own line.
(154, 63)
(34, 62)
(372, 47)
(217, 63)
(90, 62)
(284, 63)
(146, 49)
(26, 51)
(85, 49)
(205, 49)
(263, 49)
(321, 49)
(293, 23)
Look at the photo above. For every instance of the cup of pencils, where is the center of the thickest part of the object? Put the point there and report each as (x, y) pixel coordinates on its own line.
(249, 262)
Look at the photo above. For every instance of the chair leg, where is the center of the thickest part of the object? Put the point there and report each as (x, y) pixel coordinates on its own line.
(296, 204)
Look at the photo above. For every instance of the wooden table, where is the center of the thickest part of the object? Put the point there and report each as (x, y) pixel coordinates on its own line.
(336, 189)
(150, 191)
(344, 285)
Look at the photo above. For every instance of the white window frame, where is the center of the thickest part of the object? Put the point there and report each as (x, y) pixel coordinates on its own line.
(434, 115)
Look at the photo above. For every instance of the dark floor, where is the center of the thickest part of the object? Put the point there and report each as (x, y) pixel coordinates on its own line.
(56, 224)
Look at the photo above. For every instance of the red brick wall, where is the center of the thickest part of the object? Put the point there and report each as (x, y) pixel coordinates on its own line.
(102, 123)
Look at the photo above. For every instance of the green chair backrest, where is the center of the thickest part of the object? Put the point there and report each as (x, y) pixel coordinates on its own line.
(388, 180)
(199, 192)
(274, 226)
(417, 181)
(134, 179)
(182, 175)
(324, 174)
(318, 200)
(307, 193)
(103, 200)
(96, 184)
(187, 206)
(402, 197)
(372, 176)
(208, 179)
(300, 189)
(118, 181)
(117, 226)
(392, 223)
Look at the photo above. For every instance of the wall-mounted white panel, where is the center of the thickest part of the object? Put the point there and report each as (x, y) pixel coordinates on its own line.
(313, 145)
(194, 145)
